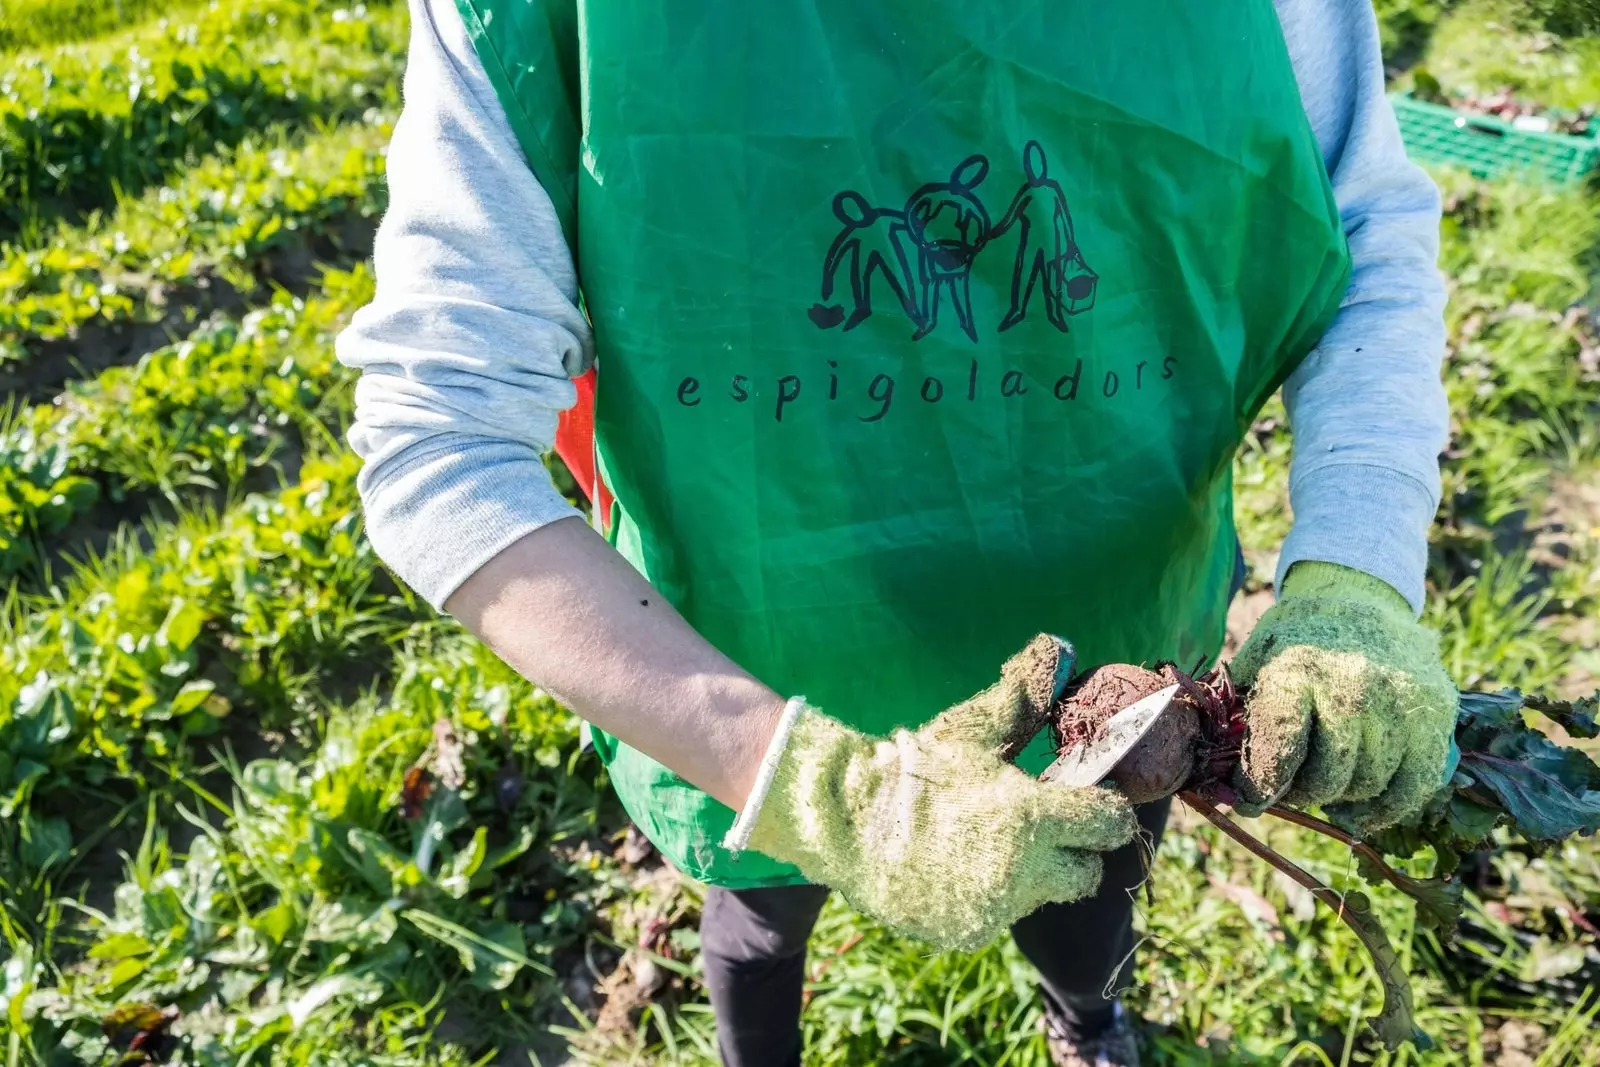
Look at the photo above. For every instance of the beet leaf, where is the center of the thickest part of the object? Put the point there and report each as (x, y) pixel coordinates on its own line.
(1546, 792)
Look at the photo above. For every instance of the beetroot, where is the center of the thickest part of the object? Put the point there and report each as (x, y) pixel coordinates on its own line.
(1164, 759)
(1511, 775)
(1192, 752)
(1196, 744)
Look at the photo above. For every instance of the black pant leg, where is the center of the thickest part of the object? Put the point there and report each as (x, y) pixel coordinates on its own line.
(753, 949)
(1084, 948)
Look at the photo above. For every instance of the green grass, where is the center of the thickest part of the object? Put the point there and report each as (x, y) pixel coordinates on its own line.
(332, 932)
(81, 125)
(194, 420)
(222, 220)
(1484, 45)
(1543, 50)
(1279, 984)
(36, 23)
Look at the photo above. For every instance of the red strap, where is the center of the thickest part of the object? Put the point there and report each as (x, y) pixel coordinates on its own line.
(575, 445)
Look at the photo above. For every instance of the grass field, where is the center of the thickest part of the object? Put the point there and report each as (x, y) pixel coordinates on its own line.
(211, 691)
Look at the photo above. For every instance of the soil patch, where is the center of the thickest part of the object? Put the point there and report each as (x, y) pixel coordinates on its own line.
(95, 346)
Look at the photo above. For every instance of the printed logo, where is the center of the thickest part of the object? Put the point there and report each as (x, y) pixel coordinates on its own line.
(923, 253)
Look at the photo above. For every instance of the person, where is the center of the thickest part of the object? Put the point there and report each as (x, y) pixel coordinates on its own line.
(872, 239)
(817, 545)
(1050, 254)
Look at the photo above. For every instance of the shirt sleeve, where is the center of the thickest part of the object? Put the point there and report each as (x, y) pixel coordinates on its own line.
(468, 349)
(1367, 408)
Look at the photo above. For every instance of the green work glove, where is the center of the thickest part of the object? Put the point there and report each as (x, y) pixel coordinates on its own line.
(1349, 703)
(931, 831)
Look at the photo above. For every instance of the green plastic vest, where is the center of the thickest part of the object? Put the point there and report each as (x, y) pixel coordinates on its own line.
(923, 326)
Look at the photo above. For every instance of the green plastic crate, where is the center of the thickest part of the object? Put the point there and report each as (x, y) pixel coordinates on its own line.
(1489, 147)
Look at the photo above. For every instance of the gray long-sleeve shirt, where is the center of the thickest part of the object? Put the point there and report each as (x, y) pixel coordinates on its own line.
(467, 352)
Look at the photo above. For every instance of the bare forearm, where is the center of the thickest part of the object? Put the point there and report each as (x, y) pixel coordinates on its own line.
(569, 613)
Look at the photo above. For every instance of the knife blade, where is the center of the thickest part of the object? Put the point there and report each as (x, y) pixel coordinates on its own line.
(1088, 763)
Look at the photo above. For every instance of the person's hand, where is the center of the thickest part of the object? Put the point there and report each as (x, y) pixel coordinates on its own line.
(931, 831)
(1349, 703)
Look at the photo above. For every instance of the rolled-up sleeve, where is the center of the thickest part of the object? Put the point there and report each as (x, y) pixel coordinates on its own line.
(1367, 408)
(468, 349)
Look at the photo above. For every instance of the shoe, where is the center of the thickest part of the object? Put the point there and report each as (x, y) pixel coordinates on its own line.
(1112, 1047)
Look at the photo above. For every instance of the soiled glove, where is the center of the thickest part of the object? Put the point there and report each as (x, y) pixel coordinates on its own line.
(930, 831)
(1350, 703)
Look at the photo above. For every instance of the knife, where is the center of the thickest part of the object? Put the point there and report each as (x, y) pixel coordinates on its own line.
(1088, 763)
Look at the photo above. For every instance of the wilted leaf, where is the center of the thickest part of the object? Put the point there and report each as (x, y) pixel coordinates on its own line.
(1580, 718)
(1253, 904)
(414, 791)
(139, 1028)
(449, 760)
(1439, 902)
(1548, 959)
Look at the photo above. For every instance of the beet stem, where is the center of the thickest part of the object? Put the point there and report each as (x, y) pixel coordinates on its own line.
(1394, 1024)
(1401, 881)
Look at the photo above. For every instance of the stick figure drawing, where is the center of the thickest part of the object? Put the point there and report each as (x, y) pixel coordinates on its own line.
(1046, 248)
(925, 252)
(873, 239)
(951, 226)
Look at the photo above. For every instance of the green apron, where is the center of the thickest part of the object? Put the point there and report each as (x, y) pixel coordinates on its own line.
(923, 326)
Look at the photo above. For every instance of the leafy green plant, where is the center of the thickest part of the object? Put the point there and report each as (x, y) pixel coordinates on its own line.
(201, 414)
(108, 680)
(79, 124)
(1545, 50)
(31, 23)
(225, 219)
(318, 901)
(1404, 25)
(39, 497)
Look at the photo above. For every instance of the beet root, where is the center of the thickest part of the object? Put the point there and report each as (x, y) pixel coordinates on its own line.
(1195, 745)
(1100, 694)
(1106, 690)
(1164, 759)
